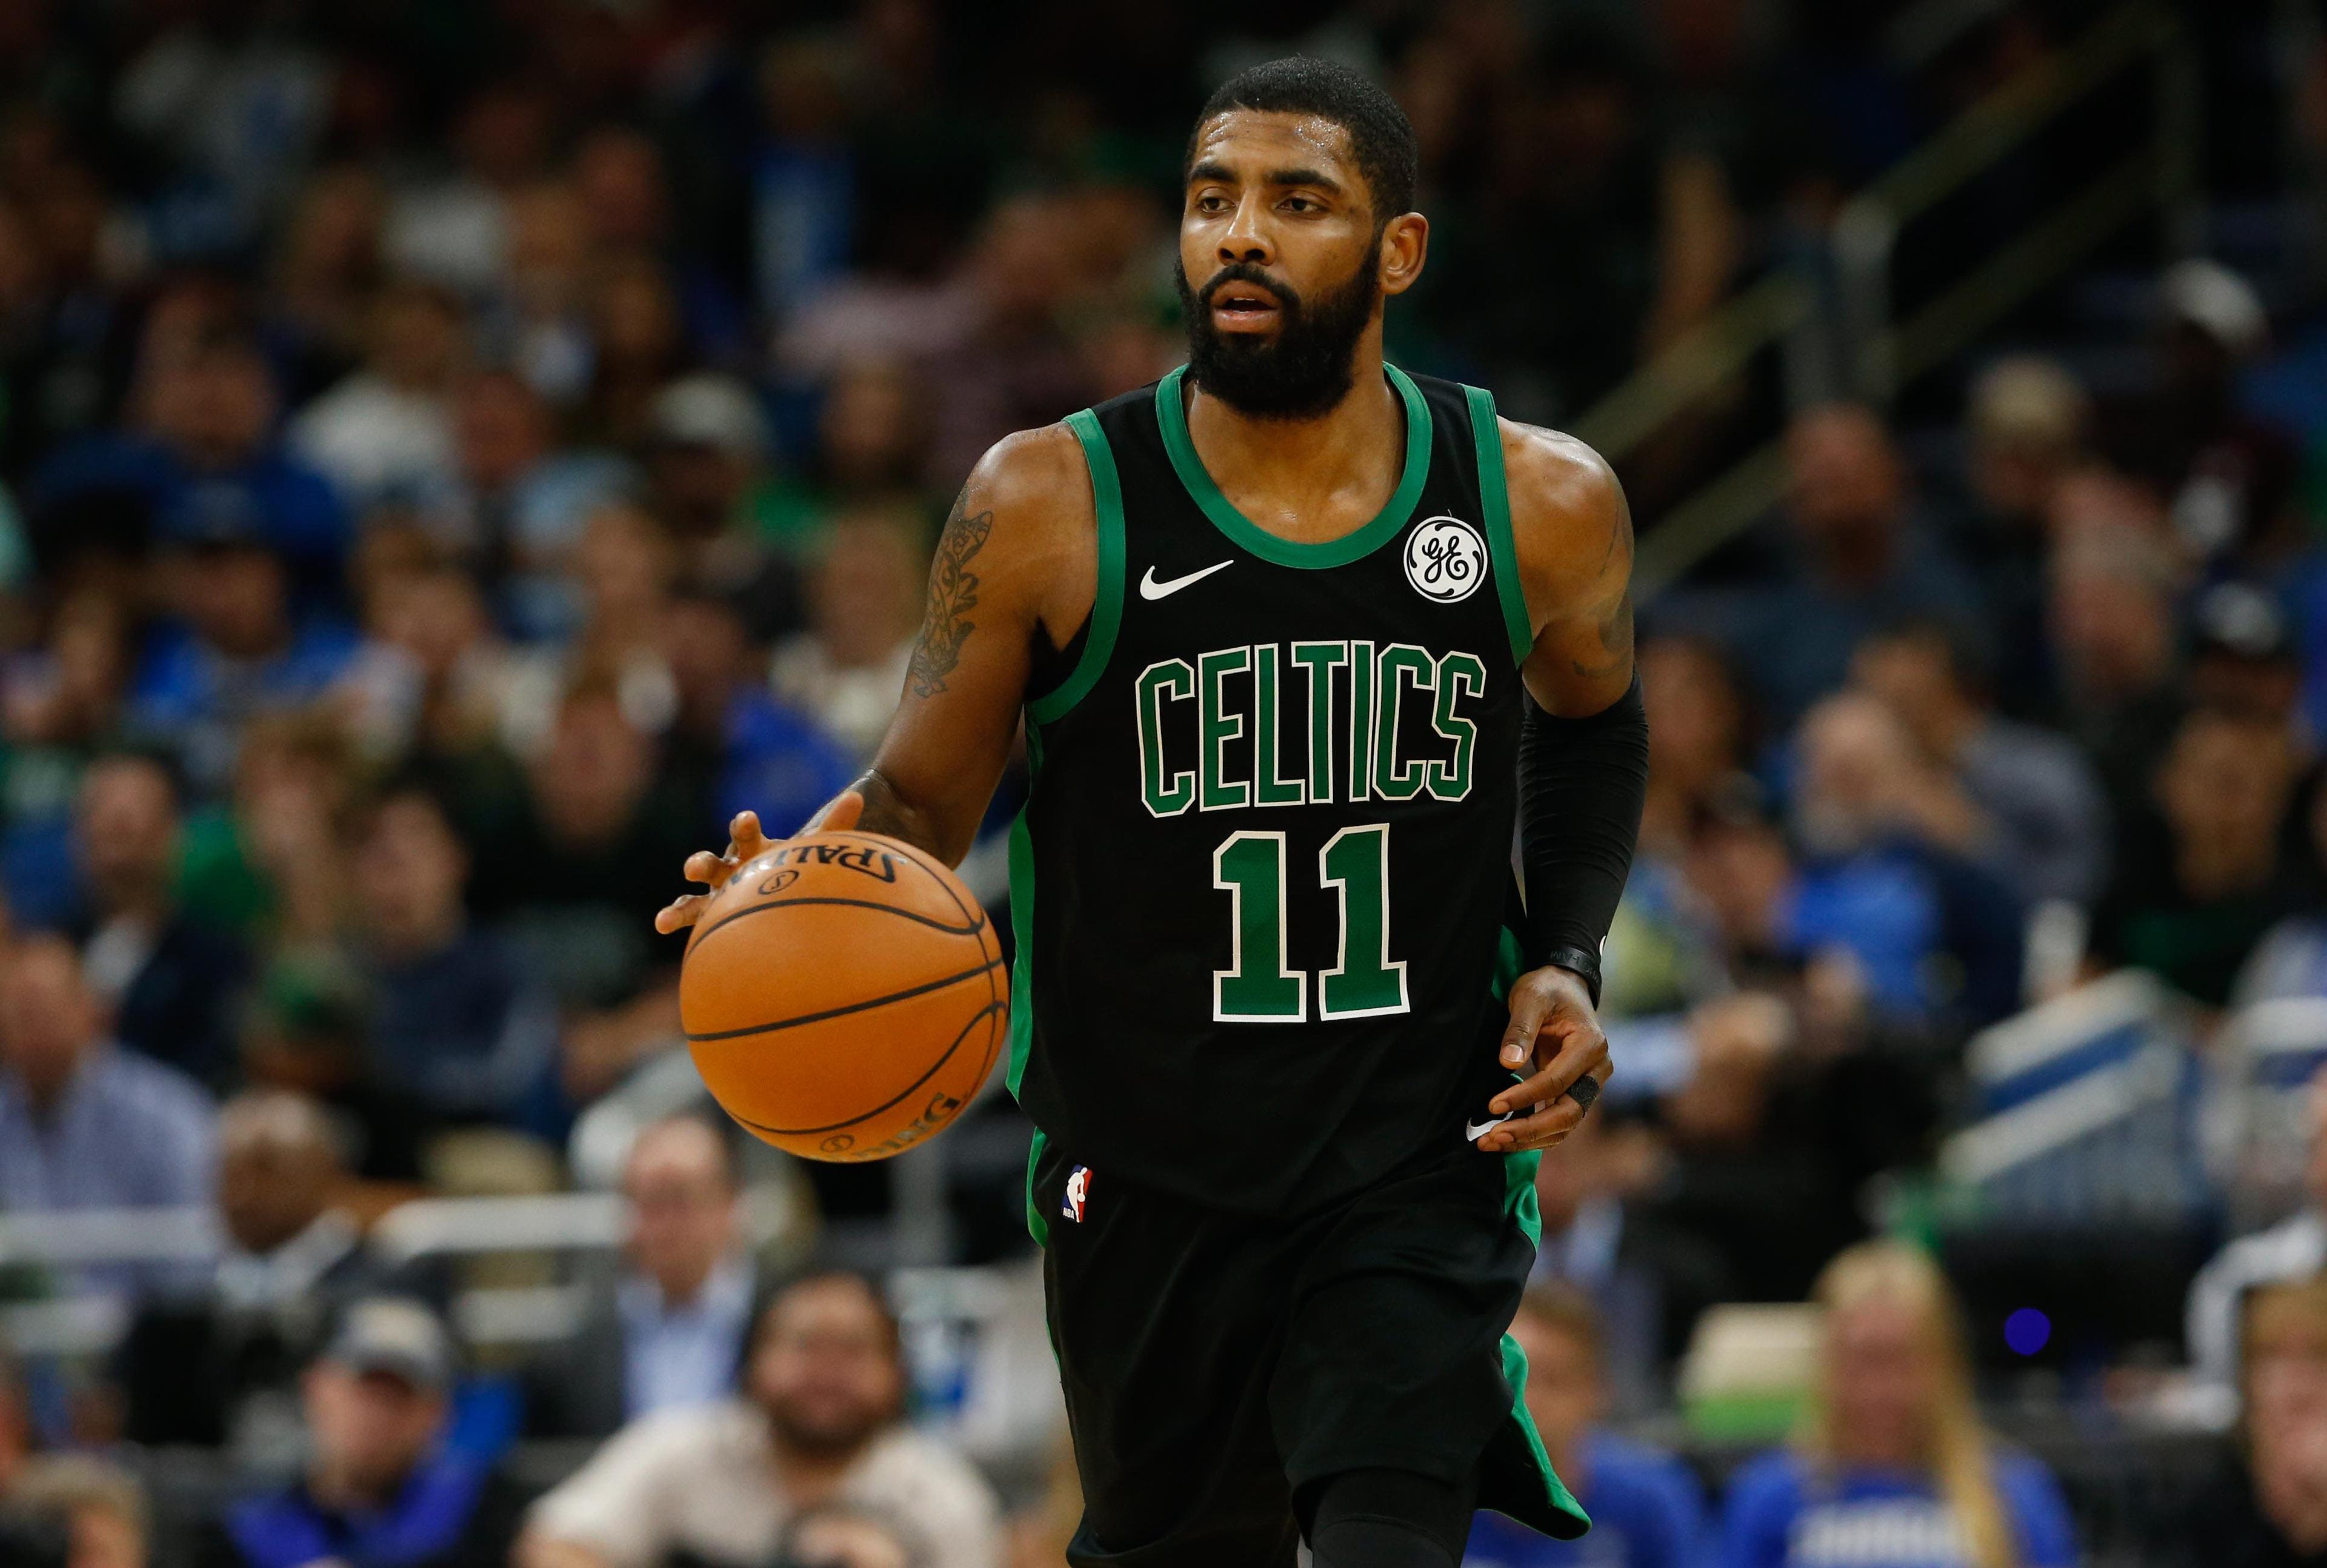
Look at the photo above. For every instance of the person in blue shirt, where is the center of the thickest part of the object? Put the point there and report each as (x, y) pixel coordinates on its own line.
(1647, 1511)
(457, 1022)
(1892, 1468)
(206, 442)
(381, 1488)
(238, 647)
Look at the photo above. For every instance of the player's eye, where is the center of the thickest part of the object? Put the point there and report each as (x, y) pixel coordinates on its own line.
(1211, 201)
(1303, 205)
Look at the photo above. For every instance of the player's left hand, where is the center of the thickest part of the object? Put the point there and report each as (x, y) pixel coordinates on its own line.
(1554, 1028)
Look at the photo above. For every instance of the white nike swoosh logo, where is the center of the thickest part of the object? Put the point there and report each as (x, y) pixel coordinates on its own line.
(1151, 589)
(1473, 1131)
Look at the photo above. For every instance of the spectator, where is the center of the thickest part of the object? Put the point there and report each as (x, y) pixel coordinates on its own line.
(272, 866)
(637, 345)
(2294, 1249)
(869, 439)
(517, 503)
(2226, 475)
(98, 1508)
(1625, 235)
(305, 1033)
(380, 1488)
(1785, 1106)
(459, 1025)
(733, 745)
(863, 609)
(538, 326)
(2267, 1508)
(207, 452)
(1879, 881)
(1647, 1281)
(455, 230)
(84, 1123)
(2110, 619)
(1664, 950)
(2193, 894)
(1864, 559)
(825, 1389)
(670, 1331)
(245, 650)
(2030, 810)
(2027, 421)
(169, 984)
(431, 683)
(1894, 1467)
(706, 464)
(1647, 1509)
(385, 433)
(327, 272)
(1009, 364)
(592, 838)
(220, 1364)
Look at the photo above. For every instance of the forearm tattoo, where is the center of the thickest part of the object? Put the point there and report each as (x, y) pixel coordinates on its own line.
(953, 594)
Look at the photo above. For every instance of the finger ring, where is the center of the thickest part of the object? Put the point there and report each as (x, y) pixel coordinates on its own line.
(1583, 1091)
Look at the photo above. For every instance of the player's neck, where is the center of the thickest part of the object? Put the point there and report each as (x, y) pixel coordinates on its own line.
(1307, 478)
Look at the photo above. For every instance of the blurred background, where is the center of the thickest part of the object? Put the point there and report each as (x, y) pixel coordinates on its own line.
(455, 452)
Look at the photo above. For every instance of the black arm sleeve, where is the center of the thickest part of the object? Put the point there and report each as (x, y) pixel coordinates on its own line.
(1582, 783)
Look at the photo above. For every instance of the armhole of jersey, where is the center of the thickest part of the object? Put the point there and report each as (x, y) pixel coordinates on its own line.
(1106, 605)
(1495, 499)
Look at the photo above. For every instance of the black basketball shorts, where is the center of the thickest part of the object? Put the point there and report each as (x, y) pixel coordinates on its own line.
(1216, 1363)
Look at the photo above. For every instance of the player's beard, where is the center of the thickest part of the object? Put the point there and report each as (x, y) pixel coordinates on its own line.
(1300, 371)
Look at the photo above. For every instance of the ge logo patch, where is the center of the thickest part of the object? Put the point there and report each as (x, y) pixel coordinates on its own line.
(1446, 559)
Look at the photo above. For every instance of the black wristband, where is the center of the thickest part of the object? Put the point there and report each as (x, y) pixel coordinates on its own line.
(1582, 782)
(1581, 962)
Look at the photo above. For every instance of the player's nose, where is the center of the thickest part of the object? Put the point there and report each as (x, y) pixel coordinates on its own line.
(1245, 238)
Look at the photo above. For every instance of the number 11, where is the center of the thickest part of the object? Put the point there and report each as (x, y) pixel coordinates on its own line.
(1364, 982)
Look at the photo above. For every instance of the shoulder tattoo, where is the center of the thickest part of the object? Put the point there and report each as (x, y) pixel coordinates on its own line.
(953, 594)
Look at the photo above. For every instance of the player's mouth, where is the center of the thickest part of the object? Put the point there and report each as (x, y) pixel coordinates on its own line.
(1244, 307)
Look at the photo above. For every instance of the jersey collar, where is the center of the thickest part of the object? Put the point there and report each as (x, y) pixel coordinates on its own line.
(1172, 416)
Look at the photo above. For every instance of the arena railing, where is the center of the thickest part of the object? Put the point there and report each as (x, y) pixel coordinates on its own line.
(573, 1225)
(1831, 312)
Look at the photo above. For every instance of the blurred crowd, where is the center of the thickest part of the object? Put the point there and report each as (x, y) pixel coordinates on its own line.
(453, 456)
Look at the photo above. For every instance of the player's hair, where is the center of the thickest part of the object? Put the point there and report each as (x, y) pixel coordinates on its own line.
(1958, 1449)
(1380, 136)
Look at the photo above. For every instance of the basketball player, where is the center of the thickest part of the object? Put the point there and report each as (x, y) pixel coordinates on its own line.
(1295, 638)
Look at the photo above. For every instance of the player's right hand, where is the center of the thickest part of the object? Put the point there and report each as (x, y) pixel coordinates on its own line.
(745, 842)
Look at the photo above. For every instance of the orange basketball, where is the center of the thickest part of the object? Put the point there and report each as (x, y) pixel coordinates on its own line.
(844, 996)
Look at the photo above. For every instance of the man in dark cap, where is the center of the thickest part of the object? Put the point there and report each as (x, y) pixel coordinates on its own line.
(381, 1491)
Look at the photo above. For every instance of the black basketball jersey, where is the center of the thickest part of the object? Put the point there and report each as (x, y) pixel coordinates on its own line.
(1261, 882)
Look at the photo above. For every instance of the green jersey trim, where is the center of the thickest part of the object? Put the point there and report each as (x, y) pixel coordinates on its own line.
(1106, 605)
(1243, 531)
(1495, 497)
(1038, 1224)
(1021, 920)
(1549, 1505)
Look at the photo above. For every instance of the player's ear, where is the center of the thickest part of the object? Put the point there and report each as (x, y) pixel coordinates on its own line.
(1404, 246)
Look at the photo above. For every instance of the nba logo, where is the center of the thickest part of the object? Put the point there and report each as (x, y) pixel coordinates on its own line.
(1077, 1193)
